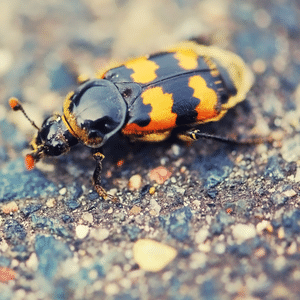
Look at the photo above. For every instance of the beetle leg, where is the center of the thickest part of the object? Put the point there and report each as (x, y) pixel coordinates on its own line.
(195, 134)
(98, 156)
(97, 175)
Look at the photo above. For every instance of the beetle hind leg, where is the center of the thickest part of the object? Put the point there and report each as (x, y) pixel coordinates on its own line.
(98, 156)
(193, 135)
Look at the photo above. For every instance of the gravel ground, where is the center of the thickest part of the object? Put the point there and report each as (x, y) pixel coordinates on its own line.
(209, 221)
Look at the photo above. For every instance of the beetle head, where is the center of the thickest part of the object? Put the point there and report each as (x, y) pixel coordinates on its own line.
(52, 139)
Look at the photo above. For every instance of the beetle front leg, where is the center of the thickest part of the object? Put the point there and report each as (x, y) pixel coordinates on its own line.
(97, 175)
(98, 156)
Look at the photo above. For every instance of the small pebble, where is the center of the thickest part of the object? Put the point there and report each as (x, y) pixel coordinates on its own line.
(82, 231)
(82, 252)
(280, 291)
(292, 249)
(259, 66)
(88, 217)
(63, 191)
(135, 210)
(260, 252)
(279, 263)
(51, 202)
(125, 283)
(152, 256)
(205, 247)
(201, 235)
(197, 203)
(135, 182)
(297, 176)
(290, 193)
(70, 267)
(160, 174)
(100, 234)
(120, 163)
(153, 213)
(93, 275)
(113, 191)
(111, 289)
(32, 262)
(262, 18)
(261, 226)
(6, 274)
(220, 248)
(198, 260)
(183, 169)
(296, 275)
(155, 206)
(281, 233)
(180, 191)
(175, 149)
(152, 190)
(243, 231)
(10, 207)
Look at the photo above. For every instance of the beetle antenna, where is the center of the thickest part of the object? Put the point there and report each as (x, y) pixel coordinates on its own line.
(16, 105)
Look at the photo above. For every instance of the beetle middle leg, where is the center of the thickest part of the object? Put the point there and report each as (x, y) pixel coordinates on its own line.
(98, 156)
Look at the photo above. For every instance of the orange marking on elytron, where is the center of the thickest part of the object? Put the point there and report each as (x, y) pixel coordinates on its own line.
(187, 59)
(206, 109)
(161, 115)
(144, 69)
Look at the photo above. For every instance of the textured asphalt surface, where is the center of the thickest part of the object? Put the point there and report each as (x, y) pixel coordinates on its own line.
(231, 213)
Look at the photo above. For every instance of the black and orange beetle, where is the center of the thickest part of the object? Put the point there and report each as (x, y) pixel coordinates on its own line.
(145, 99)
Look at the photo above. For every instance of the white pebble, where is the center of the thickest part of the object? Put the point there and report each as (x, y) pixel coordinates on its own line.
(87, 217)
(100, 234)
(243, 232)
(220, 248)
(32, 262)
(261, 226)
(151, 255)
(62, 191)
(82, 231)
(198, 260)
(112, 289)
(155, 206)
(201, 235)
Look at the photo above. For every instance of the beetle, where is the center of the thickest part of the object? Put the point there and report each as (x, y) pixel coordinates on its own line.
(145, 99)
